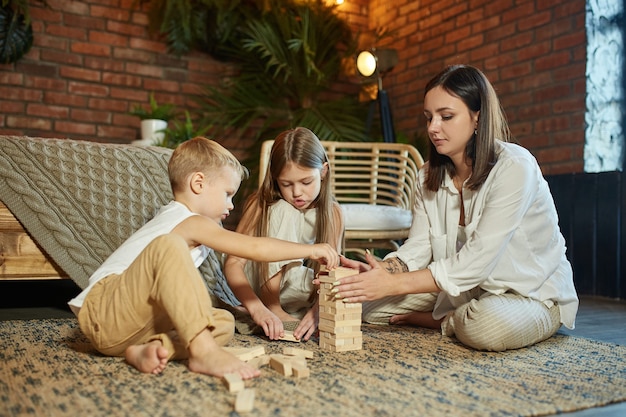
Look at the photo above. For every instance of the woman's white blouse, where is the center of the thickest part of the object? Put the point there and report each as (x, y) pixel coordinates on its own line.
(513, 244)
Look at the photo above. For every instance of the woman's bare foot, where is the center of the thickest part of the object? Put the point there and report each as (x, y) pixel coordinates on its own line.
(207, 357)
(149, 358)
(416, 318)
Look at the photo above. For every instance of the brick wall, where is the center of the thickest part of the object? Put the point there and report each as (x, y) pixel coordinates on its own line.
(93, 60)
(533, 51)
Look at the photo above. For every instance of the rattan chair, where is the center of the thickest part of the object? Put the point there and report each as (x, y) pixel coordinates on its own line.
(375, 184)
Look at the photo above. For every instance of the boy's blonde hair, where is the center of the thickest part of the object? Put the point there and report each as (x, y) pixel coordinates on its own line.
(200, 155)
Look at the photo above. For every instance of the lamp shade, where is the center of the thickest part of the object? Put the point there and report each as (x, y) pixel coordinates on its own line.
(376, 60)
(366, 63)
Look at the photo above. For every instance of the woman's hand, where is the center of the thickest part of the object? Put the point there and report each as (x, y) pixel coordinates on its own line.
(373, 284)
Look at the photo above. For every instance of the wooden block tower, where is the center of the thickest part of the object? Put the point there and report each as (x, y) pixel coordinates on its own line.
(340, 323)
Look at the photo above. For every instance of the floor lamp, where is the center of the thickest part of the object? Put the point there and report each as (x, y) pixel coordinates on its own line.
(373, 64)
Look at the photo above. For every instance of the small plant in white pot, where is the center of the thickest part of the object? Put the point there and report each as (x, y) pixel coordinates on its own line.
(153, 121)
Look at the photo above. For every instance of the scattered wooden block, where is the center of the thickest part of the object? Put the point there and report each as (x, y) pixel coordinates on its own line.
(281, 364)
(289, 337)
(259, 361)
(233, 382)
(246, 353)
(245, 400)
(292, 351)
(300, 370)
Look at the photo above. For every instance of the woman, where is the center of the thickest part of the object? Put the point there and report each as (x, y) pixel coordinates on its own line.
(485, 232)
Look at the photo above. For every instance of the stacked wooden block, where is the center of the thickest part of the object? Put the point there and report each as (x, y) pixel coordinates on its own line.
(340, 323)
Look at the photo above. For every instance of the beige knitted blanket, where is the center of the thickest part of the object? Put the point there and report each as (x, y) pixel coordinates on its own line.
(80, 200)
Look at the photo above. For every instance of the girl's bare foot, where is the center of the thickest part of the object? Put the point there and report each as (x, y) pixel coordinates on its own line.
(149, 358)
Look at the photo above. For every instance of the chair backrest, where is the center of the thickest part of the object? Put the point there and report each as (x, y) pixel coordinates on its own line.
(367, 172)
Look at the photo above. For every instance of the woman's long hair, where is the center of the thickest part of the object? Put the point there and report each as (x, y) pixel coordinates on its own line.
(471, 86)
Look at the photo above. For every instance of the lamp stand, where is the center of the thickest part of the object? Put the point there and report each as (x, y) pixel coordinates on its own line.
(389, 135)
(386, 121)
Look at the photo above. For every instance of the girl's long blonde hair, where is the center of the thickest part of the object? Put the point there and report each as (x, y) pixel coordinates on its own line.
(302, 147)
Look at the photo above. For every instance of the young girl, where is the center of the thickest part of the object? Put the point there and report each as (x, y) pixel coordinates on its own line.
(293, 203)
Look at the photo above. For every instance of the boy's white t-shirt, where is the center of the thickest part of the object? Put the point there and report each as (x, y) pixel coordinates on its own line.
(167, 218)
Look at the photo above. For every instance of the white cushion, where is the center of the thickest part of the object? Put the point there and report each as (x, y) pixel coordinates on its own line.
(373, 217)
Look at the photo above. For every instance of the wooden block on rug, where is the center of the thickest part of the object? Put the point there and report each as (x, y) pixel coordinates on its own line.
(300, 370)
(246, 353)
(233, 382)
(289, 337)
(259, 361)
(245, 400)
(292, 351)
(281, 364)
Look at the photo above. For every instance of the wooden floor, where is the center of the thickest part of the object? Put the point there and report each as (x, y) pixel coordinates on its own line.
(598, 319)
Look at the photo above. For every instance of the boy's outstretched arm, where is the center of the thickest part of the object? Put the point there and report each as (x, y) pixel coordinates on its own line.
(200, 230)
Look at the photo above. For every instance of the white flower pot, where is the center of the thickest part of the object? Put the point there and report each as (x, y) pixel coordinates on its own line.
(152, 130)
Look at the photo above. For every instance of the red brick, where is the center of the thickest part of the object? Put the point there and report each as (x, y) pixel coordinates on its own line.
(61, 57)
(112, 13)
(26, 122)
(47, 111)
(80, 74)
(90, 49)
(93, 116)
(104, 64)
(64, 99)
(88, 89)
(11, 78)
(84, 21)
(107, 104)
(121, 79)
(42, 83)
(79, 34)
(108, 38)
(20, 94)
(63, 126)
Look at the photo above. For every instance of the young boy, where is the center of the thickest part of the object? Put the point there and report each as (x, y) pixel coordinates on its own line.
(147, 301)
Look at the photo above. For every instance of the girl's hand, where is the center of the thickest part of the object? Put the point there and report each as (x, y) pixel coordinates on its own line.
(354, 264)
(270, 323)
(370, 285)
(308, 324)
(325, 252)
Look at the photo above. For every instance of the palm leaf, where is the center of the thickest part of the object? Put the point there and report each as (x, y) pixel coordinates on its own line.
(16, 33)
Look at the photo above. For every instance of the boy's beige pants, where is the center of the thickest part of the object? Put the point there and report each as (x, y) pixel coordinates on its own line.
(161, 296)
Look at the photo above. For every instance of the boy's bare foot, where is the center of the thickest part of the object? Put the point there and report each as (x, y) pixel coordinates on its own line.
(207, 357)
(219, 362)
(149, 358)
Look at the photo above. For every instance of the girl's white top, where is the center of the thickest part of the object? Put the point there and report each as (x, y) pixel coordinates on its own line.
(167, 218)
(513, 241)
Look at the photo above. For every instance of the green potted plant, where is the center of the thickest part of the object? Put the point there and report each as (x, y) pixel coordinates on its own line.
(180, 131)
(154, 121)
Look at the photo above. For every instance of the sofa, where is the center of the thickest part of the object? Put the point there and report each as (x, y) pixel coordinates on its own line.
(66, 205)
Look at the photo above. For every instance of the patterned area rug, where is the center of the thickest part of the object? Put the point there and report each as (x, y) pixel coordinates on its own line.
(47, 368)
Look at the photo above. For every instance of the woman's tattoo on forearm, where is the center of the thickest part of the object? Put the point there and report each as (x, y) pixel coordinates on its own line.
(395, 266)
